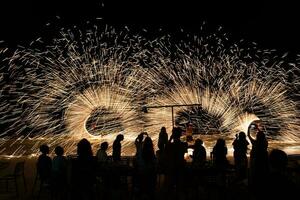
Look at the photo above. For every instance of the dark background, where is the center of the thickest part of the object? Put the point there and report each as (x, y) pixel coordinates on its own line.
(271, 24)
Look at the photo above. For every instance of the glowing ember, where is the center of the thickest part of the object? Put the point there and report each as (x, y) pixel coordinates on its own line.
(94, 85)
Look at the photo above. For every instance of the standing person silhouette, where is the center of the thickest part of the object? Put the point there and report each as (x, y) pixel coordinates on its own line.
(199, 153)
(139, 144)
(147, 170)
(162, 139)
(59, 174)
(220, 154)
(83, 172)
(160, 153)
(115, 176)
(240, 146)
(117, 148)
(175, 162)
(258, 159)
(103, 167)
(44, 165)
(101, 155)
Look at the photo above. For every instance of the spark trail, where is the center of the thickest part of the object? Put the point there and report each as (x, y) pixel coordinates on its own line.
(92, 84)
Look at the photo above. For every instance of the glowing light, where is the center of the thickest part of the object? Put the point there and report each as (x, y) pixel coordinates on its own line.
(245, 121)
(92, 84)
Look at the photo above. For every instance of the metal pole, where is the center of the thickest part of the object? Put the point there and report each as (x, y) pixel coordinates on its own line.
(172, 116)
(172, 106)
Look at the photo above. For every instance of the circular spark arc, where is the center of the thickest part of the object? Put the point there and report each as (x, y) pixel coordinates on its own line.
(55, 93)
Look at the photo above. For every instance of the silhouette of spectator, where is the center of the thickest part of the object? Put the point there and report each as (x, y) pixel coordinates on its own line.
(162, 139)
(103, 169)
(44, 165)
(146, 170)
(116, 176)
(240, 146)
(175, 161)
(139, 145)
(84, 171)
(59, 173)
(258, 160)
(219, 154)
(199, 153)
(220, 163)
(59, 162)
(279, 186)
(148, 151)
(117, 148)
(101, 155)
(160, 153)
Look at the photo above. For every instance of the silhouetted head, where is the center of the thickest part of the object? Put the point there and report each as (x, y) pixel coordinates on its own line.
(278, 159)
(242, 135)
(198, 142)
(44, 149)
(120, 137)
(148, 142)
(260, 135)
(163, 130)
(176, 133)
(84, 148)
(59, 151)
(220, 142)
(104, 146)
(140, 137)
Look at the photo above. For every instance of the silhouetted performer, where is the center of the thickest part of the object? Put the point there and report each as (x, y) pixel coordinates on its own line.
(44, 165)
(84, 171)
(101, 155)
(279, 185)
(117, 148)
(199, 153)
(240, 146)
(220, 154)
(258, 160)
(59, 173)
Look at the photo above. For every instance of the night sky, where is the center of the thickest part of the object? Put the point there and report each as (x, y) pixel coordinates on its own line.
(270, 24)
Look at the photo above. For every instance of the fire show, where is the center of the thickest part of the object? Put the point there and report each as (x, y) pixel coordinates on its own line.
(99, 83)
(149, 100)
